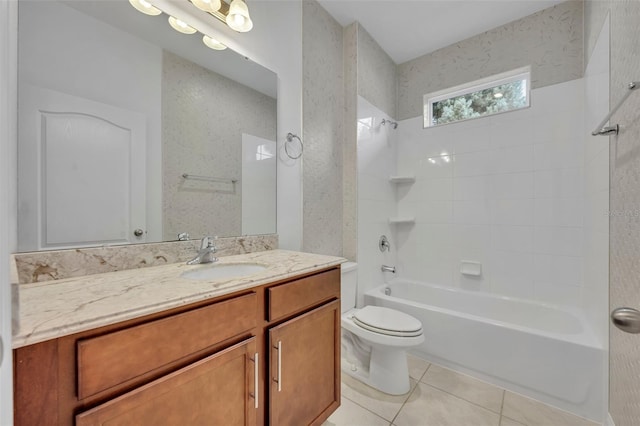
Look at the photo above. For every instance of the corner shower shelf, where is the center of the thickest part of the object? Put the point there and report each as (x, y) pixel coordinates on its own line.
(402, 179)
(403, 220)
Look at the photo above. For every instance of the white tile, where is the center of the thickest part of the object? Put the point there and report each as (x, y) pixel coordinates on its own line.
(512, 273)
(558, 240)
(465, 387)
(472, 236)
(471, 139)
(514, 159)
(436, 189)
(430, 406)
(566, 295)
(470, 188)
(431, 212)
(558, 212)
(534, 413)
(475, 163)
(382, 404)
(559, 183)
(512, 238)
(471, 212)
(512, 212)
(351, 414)
(435, 167)
(511, 186)
(512, 131)
(556, 270)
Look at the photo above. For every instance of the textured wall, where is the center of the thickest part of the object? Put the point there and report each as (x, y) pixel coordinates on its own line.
(624, 404)
(377, 74)
(203, 118)
(322, 120)
(550, 41)
(350, 147)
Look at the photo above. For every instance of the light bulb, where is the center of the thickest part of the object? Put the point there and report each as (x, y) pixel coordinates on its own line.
(207, 5)
(238, 18)
(181, 26)
(212, 43)
(145, 7)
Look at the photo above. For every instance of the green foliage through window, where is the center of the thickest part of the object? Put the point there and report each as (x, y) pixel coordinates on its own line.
(478, 100)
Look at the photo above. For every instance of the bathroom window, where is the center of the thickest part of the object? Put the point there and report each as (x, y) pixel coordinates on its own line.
(496, 94)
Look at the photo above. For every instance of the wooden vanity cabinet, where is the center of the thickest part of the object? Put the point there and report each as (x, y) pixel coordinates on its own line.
(209, 363)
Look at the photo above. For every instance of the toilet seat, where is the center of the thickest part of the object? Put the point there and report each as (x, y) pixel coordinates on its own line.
(387, 321)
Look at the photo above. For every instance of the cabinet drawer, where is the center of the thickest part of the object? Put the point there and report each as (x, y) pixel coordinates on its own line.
(115, 358)
(217, 390)
(295, 296)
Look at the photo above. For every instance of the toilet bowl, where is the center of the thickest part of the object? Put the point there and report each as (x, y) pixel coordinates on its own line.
(375, 339)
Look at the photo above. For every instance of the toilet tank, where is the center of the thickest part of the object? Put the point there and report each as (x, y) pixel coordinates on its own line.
(349, 285)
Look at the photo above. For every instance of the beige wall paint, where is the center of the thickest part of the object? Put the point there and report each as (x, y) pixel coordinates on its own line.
(550, 41)
(350, 148)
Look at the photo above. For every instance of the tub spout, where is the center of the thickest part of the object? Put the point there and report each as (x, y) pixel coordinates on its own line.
(386, 268)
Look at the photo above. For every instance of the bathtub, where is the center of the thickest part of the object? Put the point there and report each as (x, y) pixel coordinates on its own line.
(542, 351)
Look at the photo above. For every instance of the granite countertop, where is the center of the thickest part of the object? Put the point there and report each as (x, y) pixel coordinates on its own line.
(58, 308)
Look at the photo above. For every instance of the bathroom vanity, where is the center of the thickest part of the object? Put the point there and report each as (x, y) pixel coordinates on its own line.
(253, 350)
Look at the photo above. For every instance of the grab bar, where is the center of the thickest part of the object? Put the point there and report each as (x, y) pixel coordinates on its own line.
(208, 178)
(601, 130)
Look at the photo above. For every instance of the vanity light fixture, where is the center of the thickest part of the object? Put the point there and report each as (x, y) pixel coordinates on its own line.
(145, 7)
(207, 5)
(238, 18)
(212, 43)
(181, 26)
(234, 14)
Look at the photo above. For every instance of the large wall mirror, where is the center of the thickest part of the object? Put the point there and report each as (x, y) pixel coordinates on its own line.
(131, 132)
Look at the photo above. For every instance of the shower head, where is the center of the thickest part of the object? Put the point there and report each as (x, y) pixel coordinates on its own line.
(392, 123)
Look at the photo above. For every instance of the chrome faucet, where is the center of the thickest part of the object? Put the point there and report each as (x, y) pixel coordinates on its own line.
(386, 268)
(205, 254)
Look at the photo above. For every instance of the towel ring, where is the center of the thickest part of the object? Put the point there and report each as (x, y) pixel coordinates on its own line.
(290, 138)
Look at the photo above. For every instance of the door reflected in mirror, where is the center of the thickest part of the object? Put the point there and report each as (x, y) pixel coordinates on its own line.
(127, 125)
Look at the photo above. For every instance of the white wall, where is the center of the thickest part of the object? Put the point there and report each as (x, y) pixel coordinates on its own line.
(54, 65)
(506, 191)
(275, 42)
(376, 196)
(8, 209)
(258, 185)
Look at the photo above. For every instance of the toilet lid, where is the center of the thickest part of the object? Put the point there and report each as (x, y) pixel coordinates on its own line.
(387, 321)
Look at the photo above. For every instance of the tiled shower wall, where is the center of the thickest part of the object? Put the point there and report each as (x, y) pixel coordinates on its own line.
(377, 154)
(506, 191)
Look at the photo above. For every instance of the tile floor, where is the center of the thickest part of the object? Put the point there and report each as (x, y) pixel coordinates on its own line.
(441, 397)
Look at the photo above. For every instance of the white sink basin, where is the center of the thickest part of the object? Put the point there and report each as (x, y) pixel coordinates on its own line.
(223, 270)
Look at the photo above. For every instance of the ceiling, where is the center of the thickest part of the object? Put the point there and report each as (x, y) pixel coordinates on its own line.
(407, 29)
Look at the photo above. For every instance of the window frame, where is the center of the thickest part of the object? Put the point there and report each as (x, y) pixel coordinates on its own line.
(518, 74)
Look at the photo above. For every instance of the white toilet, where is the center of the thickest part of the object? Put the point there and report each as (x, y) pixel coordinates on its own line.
(375, 339)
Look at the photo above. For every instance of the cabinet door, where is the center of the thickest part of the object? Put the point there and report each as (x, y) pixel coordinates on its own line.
(305, 367)
(217, 390)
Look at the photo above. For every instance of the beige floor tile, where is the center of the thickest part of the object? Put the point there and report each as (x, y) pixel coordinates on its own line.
(505, 421)
(382, 404)
(465, 387)
(433, 407)
(417, 366)
(533, 413)
(351, 414)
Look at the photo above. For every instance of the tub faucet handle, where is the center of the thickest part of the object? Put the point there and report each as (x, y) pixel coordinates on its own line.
(383, 243)
(386, 268)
